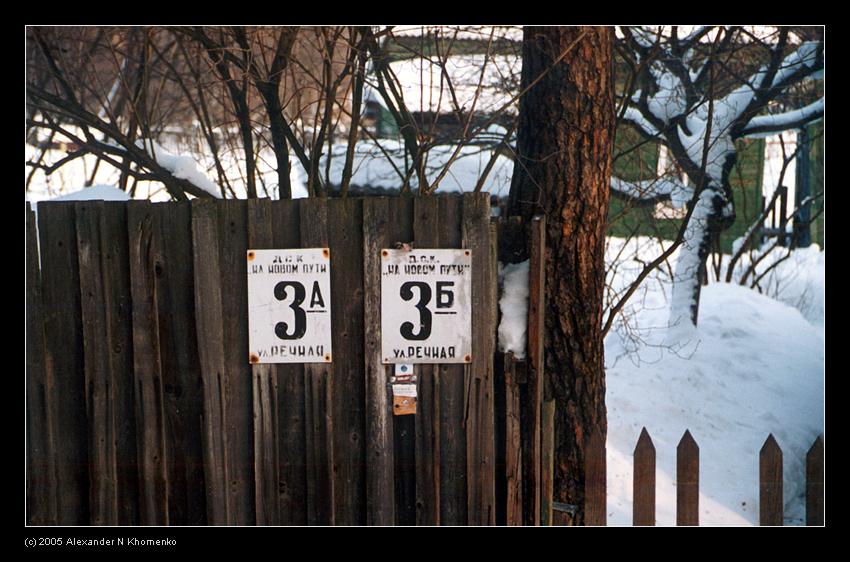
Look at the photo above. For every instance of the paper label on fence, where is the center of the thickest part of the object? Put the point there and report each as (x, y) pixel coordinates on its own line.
(426, 306)
(289, 306)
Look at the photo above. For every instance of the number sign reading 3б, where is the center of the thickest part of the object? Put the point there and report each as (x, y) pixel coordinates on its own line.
(426, 306)
(289, 306)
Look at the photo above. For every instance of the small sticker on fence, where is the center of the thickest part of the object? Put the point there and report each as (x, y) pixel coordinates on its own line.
(426, 306)
(289, 306)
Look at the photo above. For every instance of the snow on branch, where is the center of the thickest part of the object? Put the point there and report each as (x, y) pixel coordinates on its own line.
(635, 117)
(181, 167)
(653, 190)
(768, 124)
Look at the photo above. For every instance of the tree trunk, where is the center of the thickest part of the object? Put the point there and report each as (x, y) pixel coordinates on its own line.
(563, 169)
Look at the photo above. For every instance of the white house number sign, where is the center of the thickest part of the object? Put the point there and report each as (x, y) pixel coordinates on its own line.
(289, 306)
(426, 306)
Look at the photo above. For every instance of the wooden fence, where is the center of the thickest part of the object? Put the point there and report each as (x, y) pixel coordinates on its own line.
(142, 406)
(771, 504)
(143, 409)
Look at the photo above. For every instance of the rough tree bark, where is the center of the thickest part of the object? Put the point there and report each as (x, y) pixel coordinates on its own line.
(563, 169)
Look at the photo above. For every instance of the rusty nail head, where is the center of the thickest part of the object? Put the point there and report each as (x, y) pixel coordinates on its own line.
(254, 359)
(327, 357)
(467, 358)
(250, 255)
(466, 253)
(384, 253)
(326, 252)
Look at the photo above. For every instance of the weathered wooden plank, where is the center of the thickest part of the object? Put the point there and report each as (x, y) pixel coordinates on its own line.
(292, 465)
(182, 388)
(479, 374)
(771, 505)
(814, 484)
(345, 240)
(379, 231)
(643, 482)
(119, 349)
(452, 443)
(404, 430)
(532, 393)
(41, 469)
(547, 459)
(687, 481)
(318, 389)
(595, 482)
(426, 234)
(211, 353)
(513, 443)
(167, 376)
(144, 247)
(233, 246)
(265, 400)
(105, 299)
(64, 372)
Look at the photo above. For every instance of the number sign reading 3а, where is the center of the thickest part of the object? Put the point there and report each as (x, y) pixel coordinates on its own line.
(426, 306)
(289, 306)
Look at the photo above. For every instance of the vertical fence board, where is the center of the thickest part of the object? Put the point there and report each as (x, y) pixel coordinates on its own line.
(292, 466)
(452, 436)
(64, 370)
(513, 443)
(181, 376)
(165, 363)
(643, 483)
(771, 506)
(480, 452)
(107, 347)
(547, 460)
(93, 303)
(145, 241)
(41, 475)
(426, 234)
(595, 481)
(265, 399)
(404, 437)
(318, 389)
(814, 484)
(239, 390)
(119, 350)
(379, 231)
(532, 392)
(211, 352)
(345, 240)
(687, 481)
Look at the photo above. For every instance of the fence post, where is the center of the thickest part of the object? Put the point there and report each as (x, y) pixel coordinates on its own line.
(814, 484)
(643, 490)
(771, 506)
(533, 395)
(595, 481)
(687, 481)
(480, 423)
(547, 459)
(513, 444)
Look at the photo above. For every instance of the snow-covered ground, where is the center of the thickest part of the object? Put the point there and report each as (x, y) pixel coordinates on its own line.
(754, 366)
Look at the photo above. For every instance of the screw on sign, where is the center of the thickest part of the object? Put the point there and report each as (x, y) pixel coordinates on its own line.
(426, 306)
(289, 307)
